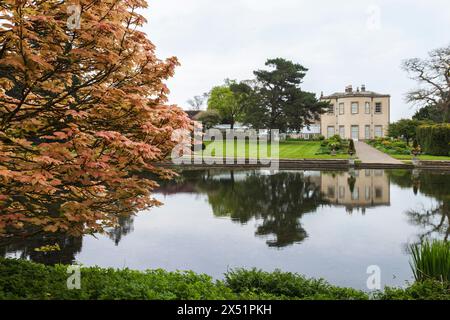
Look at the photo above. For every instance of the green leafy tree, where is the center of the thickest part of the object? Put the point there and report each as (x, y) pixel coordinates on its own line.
(430, 113)
(223, 100)
(209, 118)
(303, 110)
(249, 98)
(281, 103)
(405, 128)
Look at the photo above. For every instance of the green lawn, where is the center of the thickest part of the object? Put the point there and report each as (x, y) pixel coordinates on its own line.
(287, 150)
(422, 157)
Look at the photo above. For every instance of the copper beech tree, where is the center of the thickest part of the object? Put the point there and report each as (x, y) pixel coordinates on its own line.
(83, 115)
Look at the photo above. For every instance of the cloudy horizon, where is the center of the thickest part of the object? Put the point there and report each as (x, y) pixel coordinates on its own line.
(353, 42)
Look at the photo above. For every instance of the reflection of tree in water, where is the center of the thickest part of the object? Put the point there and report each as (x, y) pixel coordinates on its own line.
(69, 246)
(125, 227)
(435, 220)
(279, 200)
(25, 248)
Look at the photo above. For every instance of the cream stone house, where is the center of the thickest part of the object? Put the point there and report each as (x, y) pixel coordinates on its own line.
(356, 114)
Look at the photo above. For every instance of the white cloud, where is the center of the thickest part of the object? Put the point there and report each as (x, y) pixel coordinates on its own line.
(215, 40)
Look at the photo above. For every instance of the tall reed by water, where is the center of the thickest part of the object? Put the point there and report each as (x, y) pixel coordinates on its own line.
(431, 260)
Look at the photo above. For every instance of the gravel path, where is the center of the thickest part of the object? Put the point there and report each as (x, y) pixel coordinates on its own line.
(368, 154)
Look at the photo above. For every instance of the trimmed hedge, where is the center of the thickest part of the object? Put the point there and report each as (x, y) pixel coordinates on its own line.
(434, 139)
(20, 279)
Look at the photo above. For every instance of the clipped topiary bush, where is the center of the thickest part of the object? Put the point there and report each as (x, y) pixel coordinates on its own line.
(435, 139)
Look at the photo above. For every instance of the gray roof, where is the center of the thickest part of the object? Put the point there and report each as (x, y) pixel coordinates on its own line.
(369, 94)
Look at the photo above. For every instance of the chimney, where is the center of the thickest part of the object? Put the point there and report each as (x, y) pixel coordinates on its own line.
(363, 88)
(349, 89)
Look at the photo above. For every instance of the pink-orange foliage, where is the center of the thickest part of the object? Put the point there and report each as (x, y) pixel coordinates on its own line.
(83, 115)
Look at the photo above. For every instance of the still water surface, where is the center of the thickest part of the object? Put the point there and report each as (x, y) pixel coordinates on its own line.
(330, 225)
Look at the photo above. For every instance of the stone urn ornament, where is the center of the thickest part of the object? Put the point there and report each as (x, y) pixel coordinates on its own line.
(416, 151)
(333, 149)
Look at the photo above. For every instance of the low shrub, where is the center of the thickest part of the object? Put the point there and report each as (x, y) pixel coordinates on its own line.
(391, 146)
(288, 285)
(20, 279)
(399, 144)
(401, 151)
(386, 143)
(336, 143)
(427, 290)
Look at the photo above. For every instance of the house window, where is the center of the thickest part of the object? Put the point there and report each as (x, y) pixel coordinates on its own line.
(342, 132)
(378, 107)
(355, 108)
(367, 107)
(378, 131)
(330, 132)
(341, 108)
(355, 132)
(367, 131)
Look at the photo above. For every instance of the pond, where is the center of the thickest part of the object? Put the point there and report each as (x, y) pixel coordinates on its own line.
(329, 224)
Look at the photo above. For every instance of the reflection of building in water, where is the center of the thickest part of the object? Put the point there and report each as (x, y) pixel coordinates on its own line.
(357, 190)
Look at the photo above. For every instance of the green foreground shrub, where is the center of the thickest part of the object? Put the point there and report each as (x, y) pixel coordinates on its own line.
(427, 290)
(26, 280)
(288, 285)
(434, 139)
(21, 279)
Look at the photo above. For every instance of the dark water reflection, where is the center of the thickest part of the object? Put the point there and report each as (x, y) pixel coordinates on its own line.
(322, 224)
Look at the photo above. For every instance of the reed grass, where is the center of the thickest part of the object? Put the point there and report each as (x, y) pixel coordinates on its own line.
(431, 261)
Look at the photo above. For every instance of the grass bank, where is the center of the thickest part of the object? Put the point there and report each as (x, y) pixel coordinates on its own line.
(21, 279)
(421, 157)
(287, 150)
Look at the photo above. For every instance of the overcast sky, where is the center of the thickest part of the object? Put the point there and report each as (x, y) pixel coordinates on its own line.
(340, 42)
